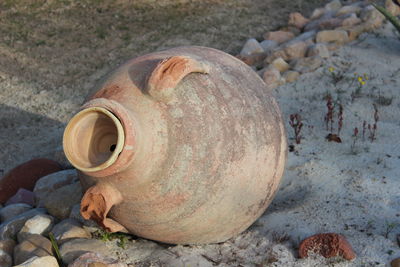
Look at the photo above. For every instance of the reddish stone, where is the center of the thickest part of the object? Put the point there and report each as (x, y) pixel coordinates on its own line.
(22, 196)
(25, 176)
(296, 19)
(327, 245)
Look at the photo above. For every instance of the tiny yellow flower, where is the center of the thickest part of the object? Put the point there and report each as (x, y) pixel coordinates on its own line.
(362, 82)
(331, 69)
(360, 79)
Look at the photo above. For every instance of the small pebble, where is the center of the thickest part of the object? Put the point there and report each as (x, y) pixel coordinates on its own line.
(5, 259)
(327, 245)
(297, 20)
(13, 210)
(307, 64)
(60, 202)
(40, 224)
(69, 229)
(87, 260)
(279, 36)
(46, 261)
(33, 245)
(291, 76)
(49, 183)
(251, 47)
(73, 249)
(280, 64)
(22, 196)
(10, 228)
(336, 36)
(7, 245)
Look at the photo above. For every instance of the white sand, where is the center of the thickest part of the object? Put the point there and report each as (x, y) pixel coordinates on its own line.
(327, 187)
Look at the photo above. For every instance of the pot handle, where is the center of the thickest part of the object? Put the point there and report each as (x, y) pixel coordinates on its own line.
(97, 202)
(169, 72)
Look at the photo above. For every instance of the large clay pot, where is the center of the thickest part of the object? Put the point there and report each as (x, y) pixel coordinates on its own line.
(183, 146)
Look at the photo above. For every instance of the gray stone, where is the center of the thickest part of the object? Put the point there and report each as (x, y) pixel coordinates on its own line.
(318, 50)
(334, 5)
(88, 260)
(348, 9)
(60, 202)
(5, 259)
(251, 47)
(10, 228)
(76, 215)
(317, 13)
(33, 245)
(305, 36)
(40, 224)
(49, 183)
(308, 64)
(268, 45)
(13, 210)
(69, 229)
(46, 261)
(73, 249)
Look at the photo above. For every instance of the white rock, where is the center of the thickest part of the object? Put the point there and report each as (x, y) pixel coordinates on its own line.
(251, 47)
(10, 228)
(280, 64)
(46, 261)
(13, 210)
(5, 259)
(69, 229)
(40, 224)
(268, 45)
(49, 183)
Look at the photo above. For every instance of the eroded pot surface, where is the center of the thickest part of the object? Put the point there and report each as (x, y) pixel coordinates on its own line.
(191, 151)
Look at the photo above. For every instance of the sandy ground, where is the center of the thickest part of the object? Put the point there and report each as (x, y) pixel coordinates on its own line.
(327, 187)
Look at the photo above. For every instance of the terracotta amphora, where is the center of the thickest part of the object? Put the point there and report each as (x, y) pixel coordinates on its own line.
(183, 146)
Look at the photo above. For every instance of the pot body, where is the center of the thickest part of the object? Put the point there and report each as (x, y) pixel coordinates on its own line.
(204, 148)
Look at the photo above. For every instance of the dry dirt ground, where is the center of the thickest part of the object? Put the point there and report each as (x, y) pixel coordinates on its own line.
(52, 53)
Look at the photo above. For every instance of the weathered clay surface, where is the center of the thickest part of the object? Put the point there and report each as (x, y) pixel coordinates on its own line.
(327, 245)
(204, 148)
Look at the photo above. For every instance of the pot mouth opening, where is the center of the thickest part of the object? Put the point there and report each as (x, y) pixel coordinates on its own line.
(93, 139)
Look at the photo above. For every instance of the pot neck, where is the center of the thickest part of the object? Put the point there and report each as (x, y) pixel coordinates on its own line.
(100, 140)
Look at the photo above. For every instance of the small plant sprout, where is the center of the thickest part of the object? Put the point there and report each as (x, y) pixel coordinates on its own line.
(340, 119)
(337, 76)
(329, 114)
(372, 129)
(295, 122)
(364, 130)
(329, 120)
(355, 137)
